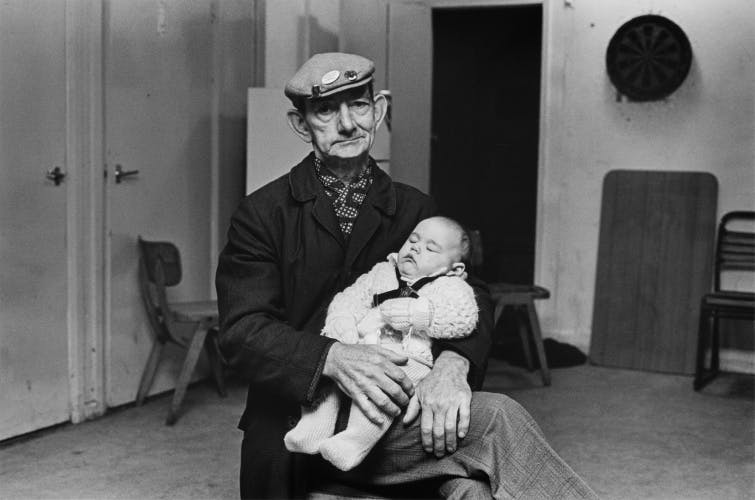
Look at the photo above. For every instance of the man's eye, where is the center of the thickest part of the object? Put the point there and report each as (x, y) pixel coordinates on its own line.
(324, 109)
(360, 106)
(413, 239)
(433, 249)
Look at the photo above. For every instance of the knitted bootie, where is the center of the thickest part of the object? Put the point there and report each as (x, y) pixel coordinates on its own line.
(315, 426)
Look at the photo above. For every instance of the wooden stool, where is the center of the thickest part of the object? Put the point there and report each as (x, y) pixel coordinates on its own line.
(522, 298)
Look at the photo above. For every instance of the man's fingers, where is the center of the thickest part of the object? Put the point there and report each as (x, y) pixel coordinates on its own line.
(412, 411)
(394, 394)
(450, 429)
(364, 403)
(405, 385)
(464, 416)
(382, 401)
(439, 434)
(370, 410)
(395, 357)
(426, 429)
(391, 381)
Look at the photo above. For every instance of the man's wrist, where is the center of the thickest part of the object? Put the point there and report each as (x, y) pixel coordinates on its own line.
(327, 366)
(453, 360)
(320, 371)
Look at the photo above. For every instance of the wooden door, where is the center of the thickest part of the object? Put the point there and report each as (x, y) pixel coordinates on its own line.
(157, 121)
(34, 389)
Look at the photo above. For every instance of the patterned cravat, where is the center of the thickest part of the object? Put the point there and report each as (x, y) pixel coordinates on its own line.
(346, 199)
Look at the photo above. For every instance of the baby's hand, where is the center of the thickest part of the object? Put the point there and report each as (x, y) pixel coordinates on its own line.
(369, 327)
(343, 329)
(405, 312)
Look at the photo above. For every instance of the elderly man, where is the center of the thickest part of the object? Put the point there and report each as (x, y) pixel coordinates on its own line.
(296, 242)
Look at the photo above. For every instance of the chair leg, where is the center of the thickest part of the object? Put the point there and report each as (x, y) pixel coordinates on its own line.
(192, 356)
(522, 318)
(213, 355)
(538, 338)
(715, 364)
(499, 305)
(702, 374)
(148, 375)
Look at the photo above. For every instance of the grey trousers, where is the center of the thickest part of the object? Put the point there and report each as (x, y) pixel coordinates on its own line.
(503, 456)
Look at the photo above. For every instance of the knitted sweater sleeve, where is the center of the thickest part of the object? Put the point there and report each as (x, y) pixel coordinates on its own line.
(454, 308)
(354, 301)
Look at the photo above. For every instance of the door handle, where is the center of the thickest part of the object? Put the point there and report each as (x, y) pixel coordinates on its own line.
(56, 175)
(120, 174)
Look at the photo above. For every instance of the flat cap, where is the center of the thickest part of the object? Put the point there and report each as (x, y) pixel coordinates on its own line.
(329, 73)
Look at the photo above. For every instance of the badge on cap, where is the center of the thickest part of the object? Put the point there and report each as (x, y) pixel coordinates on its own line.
(330, 77)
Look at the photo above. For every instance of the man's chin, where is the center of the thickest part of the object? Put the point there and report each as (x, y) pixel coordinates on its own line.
(346, 158)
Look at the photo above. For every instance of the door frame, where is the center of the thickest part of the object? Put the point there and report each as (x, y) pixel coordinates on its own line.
(85, 210)
(546, 103)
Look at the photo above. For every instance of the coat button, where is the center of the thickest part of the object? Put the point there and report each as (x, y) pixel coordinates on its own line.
(292, 421)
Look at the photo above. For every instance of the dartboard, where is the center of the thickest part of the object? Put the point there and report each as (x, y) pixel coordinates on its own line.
(648, 58)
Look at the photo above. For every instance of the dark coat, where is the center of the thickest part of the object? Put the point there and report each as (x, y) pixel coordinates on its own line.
(284, 261)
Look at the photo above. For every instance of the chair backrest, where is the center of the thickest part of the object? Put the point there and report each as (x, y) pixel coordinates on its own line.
(159, 267)
(735, 247)
(161, 256)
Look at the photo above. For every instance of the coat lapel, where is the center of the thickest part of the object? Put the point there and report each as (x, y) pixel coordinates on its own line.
(325, 215)
(381, 198)
(367, 223)
(305, 187)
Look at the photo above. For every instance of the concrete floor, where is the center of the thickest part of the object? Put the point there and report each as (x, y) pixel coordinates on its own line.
(632, 435)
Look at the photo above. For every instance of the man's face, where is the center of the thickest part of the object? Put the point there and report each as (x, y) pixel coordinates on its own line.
(342, 126)
(432, 247)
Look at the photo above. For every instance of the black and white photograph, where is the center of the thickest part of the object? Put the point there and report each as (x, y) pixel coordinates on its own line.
(377, 249)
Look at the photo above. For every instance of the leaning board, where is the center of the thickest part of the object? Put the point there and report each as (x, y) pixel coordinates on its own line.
(655, 261)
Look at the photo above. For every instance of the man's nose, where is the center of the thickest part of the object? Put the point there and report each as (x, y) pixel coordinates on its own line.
(345, 120)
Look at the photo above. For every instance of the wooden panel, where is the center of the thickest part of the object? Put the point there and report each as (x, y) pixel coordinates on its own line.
(655, 256)
(410, 81)
(364, 28)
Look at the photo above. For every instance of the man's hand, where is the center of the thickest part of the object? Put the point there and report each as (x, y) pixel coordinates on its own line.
(370, 376)
(444, 398)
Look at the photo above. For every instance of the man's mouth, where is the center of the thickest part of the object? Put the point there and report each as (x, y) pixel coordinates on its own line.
(348, 141)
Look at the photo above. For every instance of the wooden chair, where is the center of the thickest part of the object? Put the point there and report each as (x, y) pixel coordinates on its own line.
(735, 251)
(522, 299)
(160, 267)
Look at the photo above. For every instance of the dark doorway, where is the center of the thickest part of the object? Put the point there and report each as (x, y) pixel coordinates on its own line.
(486, 109)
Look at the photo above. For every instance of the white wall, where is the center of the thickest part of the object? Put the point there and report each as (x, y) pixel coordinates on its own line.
(708, 124)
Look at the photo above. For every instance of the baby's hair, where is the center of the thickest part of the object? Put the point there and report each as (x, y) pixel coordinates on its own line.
(464, 243)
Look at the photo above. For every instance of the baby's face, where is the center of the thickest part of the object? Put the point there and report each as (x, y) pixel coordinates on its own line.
(433, 246)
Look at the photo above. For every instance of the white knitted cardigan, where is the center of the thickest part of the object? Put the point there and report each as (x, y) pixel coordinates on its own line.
(452, 304)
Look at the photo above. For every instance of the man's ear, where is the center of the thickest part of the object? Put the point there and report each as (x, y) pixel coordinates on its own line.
(381, 109)
(457, 269)
(299, 125)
